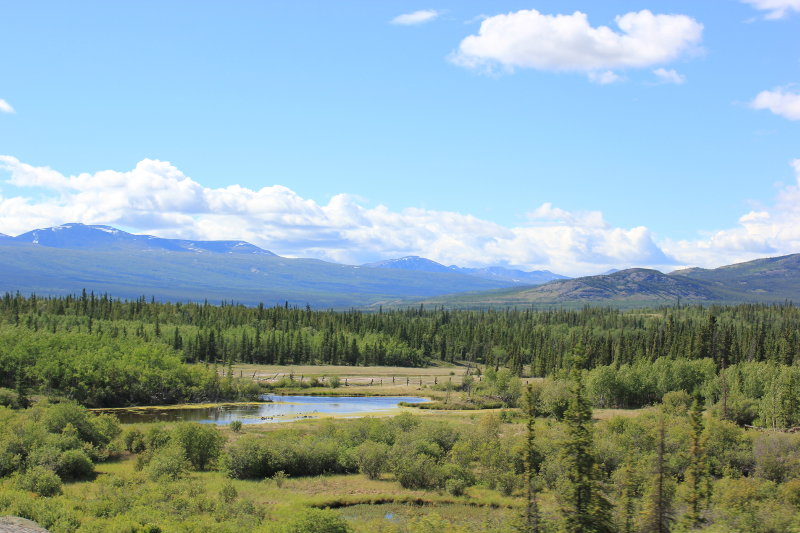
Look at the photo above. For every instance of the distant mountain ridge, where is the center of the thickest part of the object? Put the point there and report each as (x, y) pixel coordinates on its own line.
(774, 279)
(76, 236)
(66, 259)
(517, 277)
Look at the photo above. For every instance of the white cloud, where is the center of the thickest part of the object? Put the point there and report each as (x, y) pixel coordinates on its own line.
(669, 76)
(5, 107)
(155, 197)
(776, 9)
(780, 101)
(774, 230)
(417, 17)
(530, 39)
(604, 78)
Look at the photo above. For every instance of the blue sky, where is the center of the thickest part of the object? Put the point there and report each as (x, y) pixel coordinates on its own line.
(471, 134)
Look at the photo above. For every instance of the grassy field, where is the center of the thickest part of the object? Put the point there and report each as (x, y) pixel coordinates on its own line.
(364, 380)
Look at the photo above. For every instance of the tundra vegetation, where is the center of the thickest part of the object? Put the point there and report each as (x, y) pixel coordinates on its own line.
(702, 438)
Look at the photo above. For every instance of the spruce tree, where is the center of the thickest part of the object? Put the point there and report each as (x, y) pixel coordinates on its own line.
(697, 474)
(657, 512)
(583, 504)
(532, 522)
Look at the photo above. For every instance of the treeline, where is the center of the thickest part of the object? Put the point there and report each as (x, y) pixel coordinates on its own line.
(99, 371)
(536, 343)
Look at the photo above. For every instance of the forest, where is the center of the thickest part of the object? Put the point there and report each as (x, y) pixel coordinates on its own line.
(673, 419)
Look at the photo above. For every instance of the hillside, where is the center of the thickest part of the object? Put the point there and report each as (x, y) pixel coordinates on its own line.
(496, 273)
(242, 277)
(77, 236)
(774, 279)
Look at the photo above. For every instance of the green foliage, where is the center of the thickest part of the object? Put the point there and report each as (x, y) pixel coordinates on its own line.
(317, 521)
(201, 443)
(583, 504)
(168, 463)
(236, 426)
(41, 481)
(133, 440)
(372, 458)
(74, 465)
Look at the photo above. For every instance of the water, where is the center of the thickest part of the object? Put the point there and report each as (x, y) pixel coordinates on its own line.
(281, 409)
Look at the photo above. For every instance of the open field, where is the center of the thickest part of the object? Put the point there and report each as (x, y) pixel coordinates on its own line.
(364, 380)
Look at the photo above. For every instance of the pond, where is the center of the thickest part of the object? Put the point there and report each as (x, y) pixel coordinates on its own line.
(276, 409)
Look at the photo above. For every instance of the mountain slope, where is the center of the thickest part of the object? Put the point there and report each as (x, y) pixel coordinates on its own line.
(77, 236)
(510, 276)
(245, 278)
(411, 262)
(763, 280)
(520, 277)
(769, 279)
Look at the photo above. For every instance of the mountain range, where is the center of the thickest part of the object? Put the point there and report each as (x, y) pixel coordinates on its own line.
(66, 259)
(769, 280)
(517, 277)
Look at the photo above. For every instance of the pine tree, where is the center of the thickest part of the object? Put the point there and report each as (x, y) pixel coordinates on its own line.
(532, 522)
(627, 500)
(585, 507)
(657, 513)
(697, 474)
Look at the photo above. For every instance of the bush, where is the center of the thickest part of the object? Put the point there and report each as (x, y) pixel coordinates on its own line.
(40, 480)
(372, 458)
(317, 521)
(677, 402)
(456, 486)
(134, 441)
(74, 465)
(417, 471)
(201, 443)
(167, 463)
(777, 456)
(236, 426)
(248, 458)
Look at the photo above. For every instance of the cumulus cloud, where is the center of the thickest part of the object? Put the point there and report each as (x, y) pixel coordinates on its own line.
(530, 39)
(5, 107)
(415, 18)
(669, 76)
(776, 9)
(771, 231)
(156, 197)
(781, 101)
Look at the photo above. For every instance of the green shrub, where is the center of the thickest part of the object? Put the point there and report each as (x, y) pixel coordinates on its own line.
(372, 458)
(74, 465)
(236, 426)
(317, 521)
(40, 480)
(167, 463)
(133, 440)
(201, 443)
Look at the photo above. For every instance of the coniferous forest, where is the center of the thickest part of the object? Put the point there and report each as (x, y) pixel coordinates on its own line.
(671, 419)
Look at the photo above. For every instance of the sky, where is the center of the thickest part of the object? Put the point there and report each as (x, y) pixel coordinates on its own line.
(573, 136)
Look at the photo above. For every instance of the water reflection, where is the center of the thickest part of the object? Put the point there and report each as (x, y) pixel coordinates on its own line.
(278, 409)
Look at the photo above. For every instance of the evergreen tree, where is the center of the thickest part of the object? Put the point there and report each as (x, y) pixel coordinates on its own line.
(697, 474)
(532, 522)
(583, 504)
(657, 512)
